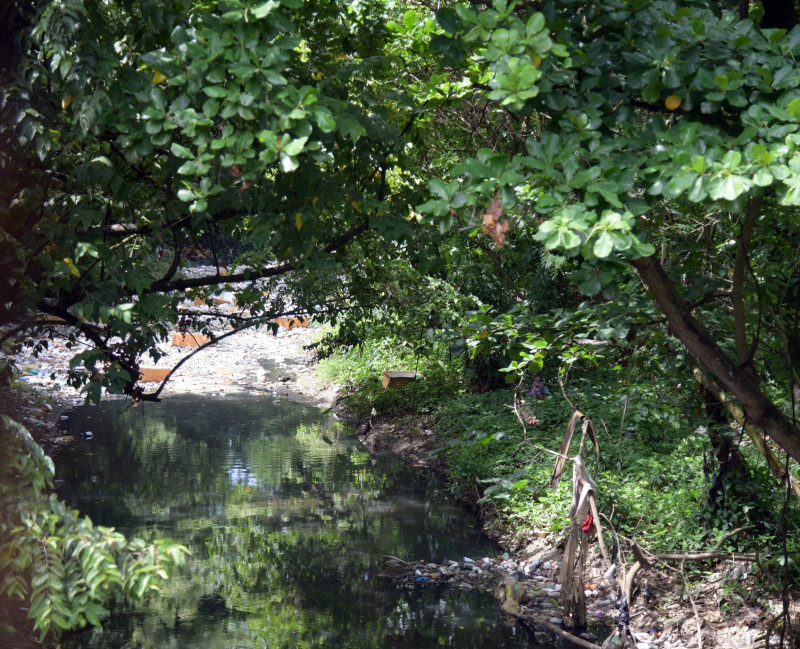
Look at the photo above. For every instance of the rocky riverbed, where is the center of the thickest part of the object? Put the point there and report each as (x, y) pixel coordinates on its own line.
(256, 362)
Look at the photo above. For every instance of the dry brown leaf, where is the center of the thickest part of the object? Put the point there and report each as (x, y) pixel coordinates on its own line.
(495, 210)
(492, 225)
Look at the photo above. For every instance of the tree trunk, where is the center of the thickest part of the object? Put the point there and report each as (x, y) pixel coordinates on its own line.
(758, 409)
(778, 13)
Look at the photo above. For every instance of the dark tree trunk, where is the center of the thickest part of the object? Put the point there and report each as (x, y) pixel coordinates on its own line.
(779, 13)
(758, 409)
(730, 463)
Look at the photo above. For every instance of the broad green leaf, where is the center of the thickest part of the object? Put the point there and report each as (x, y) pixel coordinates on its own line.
(728, 187)
(181, 151)
(603, 245)
(410, 19)
(449, 20)
(793, 107)
(325, 119)
(186, 195)
(680, 183)
(188, 168)
(263, 10)
(288, 163)
(698, 191)
(217, 92)
(591, 286)
(294, 147)
(350, 126)
(210, 107)
(763, 177)
(536, 23)
(437, 187)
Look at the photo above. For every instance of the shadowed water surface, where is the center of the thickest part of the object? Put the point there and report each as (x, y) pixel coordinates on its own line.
(288, 520)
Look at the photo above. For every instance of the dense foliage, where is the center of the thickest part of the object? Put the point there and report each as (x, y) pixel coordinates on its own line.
(505, 188)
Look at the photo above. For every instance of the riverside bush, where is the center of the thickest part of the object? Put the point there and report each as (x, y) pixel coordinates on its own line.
(655, 468)
(651, 476)
(53, 560)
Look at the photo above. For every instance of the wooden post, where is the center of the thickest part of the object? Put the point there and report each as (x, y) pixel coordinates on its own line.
(394, 379)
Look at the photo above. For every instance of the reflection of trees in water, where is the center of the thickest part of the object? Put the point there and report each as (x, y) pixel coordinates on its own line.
(287, 521)
(328, 571)
(175, 454)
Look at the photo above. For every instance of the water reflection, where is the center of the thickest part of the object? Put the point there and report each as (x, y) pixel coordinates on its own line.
(288, 521)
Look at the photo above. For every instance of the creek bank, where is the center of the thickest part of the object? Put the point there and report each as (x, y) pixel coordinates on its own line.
(279, 365)
(665, 619)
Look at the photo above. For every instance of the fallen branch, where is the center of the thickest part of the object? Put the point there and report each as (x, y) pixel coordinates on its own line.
(580, 642)
(646, 559)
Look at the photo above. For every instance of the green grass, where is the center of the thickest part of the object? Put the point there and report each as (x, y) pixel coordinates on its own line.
(361, 368)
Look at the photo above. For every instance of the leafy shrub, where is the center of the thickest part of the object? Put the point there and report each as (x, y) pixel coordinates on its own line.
(56, 561)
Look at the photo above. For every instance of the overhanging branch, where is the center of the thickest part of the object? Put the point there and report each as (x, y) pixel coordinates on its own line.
(209, 280)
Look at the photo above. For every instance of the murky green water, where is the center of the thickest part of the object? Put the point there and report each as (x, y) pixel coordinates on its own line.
(288, 521)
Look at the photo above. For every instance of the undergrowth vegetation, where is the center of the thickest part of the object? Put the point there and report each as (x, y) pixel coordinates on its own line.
(658, 481)
(360, 367)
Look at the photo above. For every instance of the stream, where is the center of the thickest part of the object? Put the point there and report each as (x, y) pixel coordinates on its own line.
(289, 521)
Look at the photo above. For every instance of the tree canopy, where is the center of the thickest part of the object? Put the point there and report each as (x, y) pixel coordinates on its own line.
(655, 138)
(625, 169)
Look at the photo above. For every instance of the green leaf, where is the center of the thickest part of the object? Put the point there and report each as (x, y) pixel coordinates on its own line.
(188, 168)
(698, 192)
(591, 286)
(210, 108)
(603, 245)
(680, 183)
(437, 187)
(181, 151)
(294, 147)
(263, 10)
(325, 119)
(350, 126)
(186, 195)
(728, 187)
(732, 159)
(217, 92)
(536, 24)
(449, 20)
(763, 177)
(288, 163)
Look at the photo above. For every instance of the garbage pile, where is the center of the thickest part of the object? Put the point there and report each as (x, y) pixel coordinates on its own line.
(528, 590)
(539, 579)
